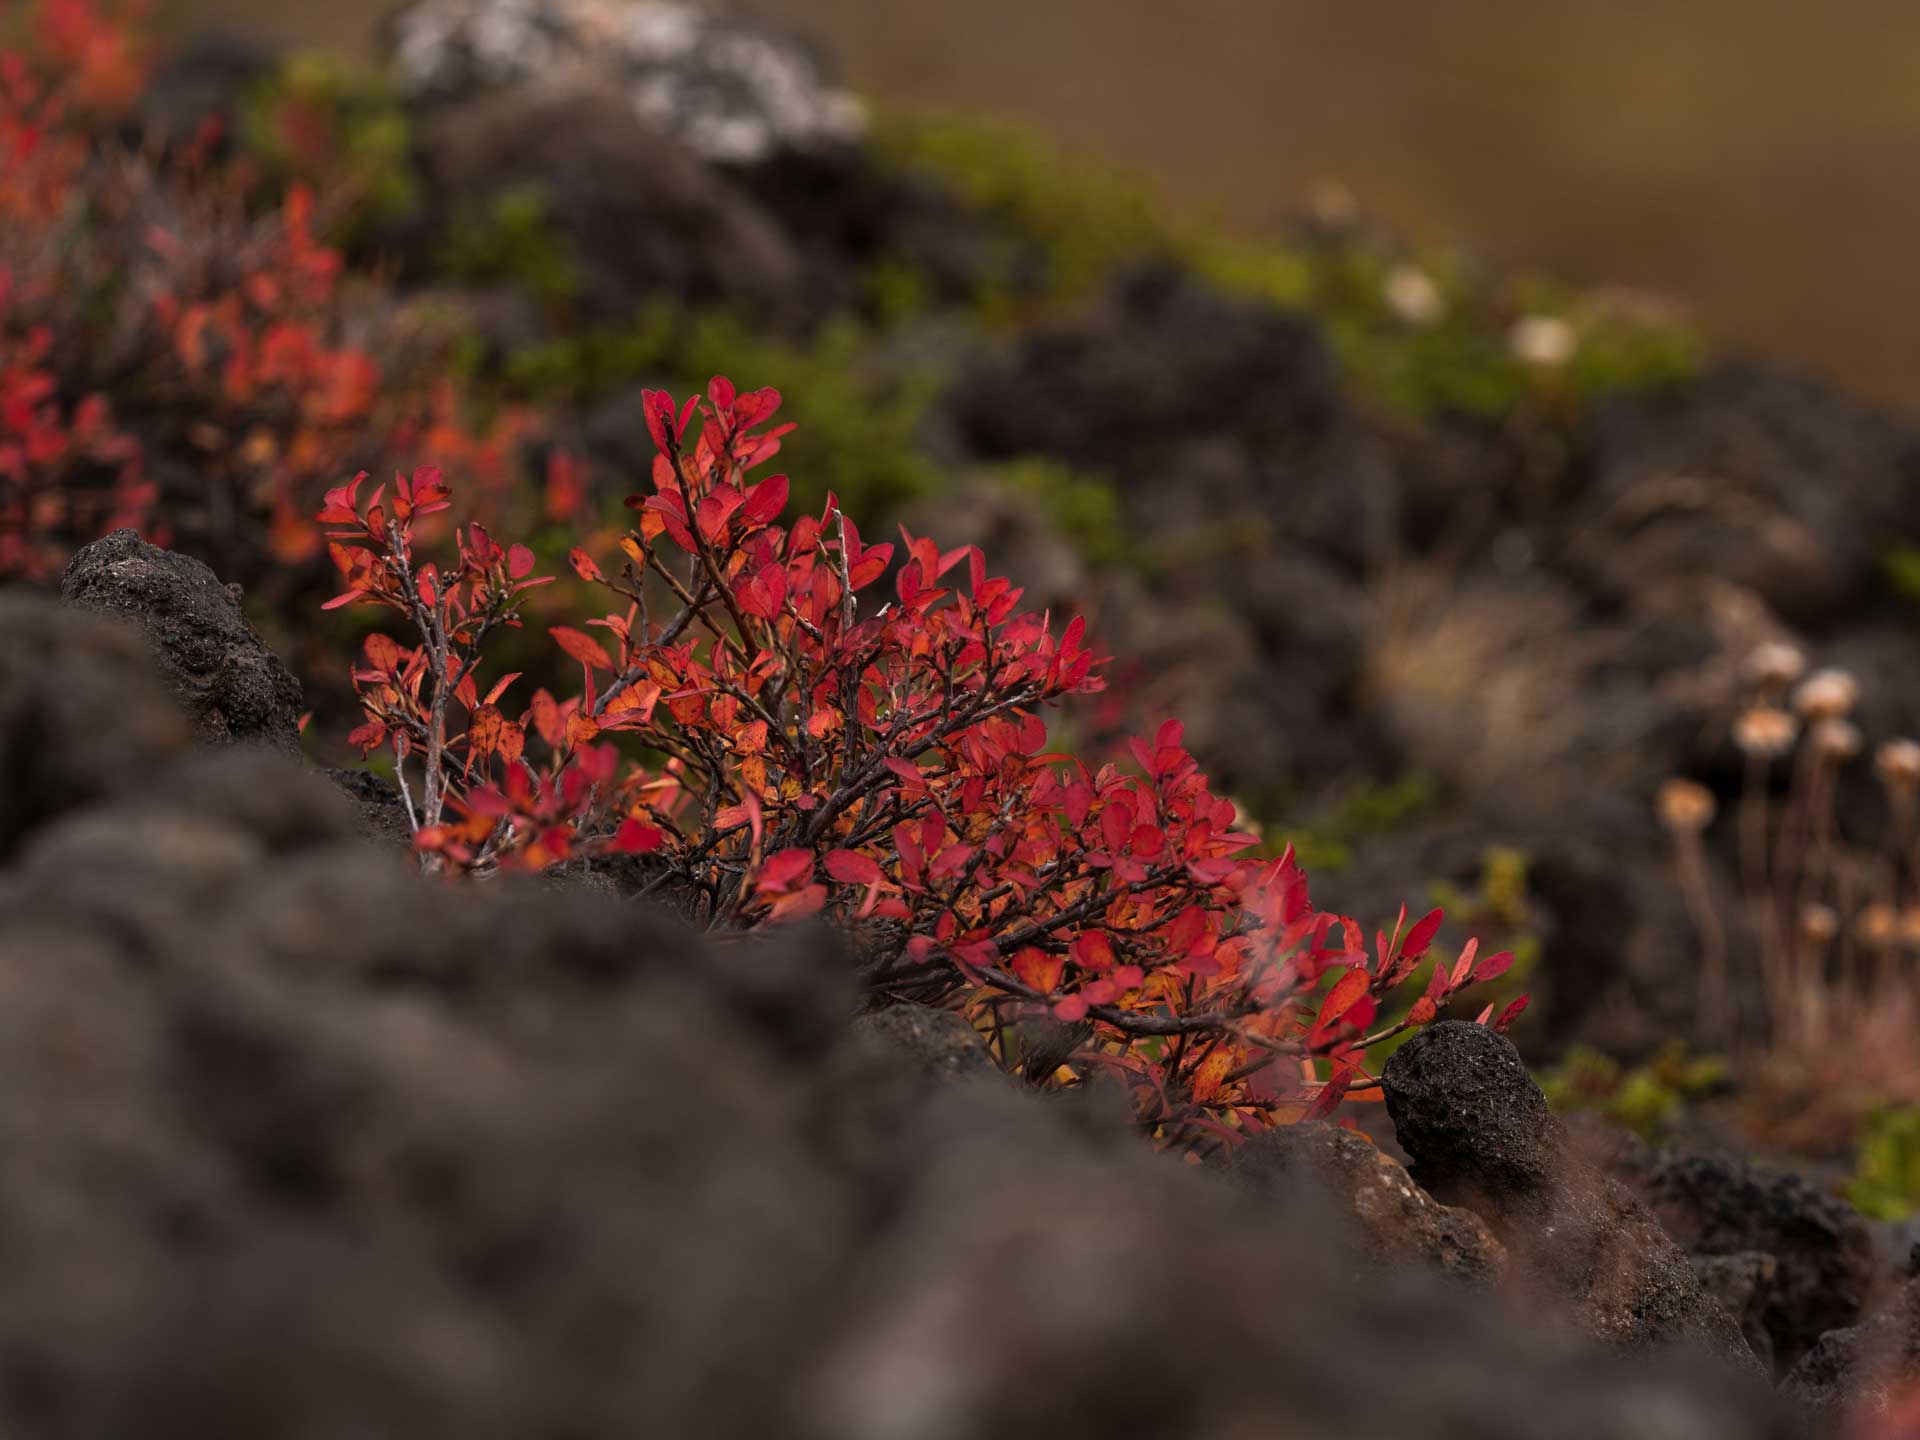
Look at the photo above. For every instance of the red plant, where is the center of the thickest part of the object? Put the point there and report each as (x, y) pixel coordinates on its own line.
(248, 365)
(887, 767)
(64, 469)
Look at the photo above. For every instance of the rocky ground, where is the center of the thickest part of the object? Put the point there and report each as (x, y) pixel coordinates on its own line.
(598, 1172)
(593, 1171)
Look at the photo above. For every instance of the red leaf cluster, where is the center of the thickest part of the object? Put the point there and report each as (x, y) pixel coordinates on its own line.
(823, 748)
(238, 346)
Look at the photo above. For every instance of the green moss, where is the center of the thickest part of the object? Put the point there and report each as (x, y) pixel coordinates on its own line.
(1082, 222)
(1886, 1177)
(339, 128)
(1371, 809)
(861, 413)
(509, 238)
(1644, 1098)
(1085, 509)
(1900, 564)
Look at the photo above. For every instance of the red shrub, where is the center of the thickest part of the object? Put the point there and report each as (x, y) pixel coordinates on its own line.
(886, 767)
(248, 366)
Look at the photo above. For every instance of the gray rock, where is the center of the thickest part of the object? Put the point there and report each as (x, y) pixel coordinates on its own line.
(736, 90)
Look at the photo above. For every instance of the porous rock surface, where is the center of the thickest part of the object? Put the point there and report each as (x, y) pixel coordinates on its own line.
(1479, 1135)
(1720, 1206)
(296, 1143)
(231, 685)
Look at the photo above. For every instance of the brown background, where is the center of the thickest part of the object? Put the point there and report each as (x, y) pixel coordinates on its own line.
(1754, 157)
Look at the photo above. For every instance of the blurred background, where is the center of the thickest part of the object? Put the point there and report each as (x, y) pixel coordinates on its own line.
(1757, 159)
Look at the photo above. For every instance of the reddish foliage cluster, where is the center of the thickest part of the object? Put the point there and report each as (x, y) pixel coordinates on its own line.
(64, 470)
(887, 766)
(250, 366)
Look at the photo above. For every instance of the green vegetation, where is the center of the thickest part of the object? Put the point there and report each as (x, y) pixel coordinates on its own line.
(509, 238)
(861, 440)
(1886, 1176)
(337, 127)
(1643, 1098)
(1079, 222)
(1418, 332)
(1084, 508)
(1326, 843)
(1900, 564)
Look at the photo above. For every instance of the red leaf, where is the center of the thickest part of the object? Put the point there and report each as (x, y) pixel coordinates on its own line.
(785, 869)
(766, 500)
(634, 837)
(1330, 1096)
(713, 512)
(1511, 1014)
(581, 646)
(1345, 994)
(1071, 1008)
(1420, 937)
(584, 566)
(1493, 967)
(519, 562)
(850, 867)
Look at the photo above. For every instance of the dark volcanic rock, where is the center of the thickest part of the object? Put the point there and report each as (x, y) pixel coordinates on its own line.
(1716, 1204)
(639, 214)
(1858, 1371)
(81, 713)
(296, 1144)
(1392, 1220)
(230, 684)
(1776, 483)
(1744, 1284)
(1480, 1135)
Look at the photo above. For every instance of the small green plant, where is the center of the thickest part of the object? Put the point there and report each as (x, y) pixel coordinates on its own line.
(1886, 1176)
(1369, 810)
(1081, 222)
(510, 239)
(1643, 1098)
(1084, 508)
(863, 443)
(321, 122)
(1900, 565)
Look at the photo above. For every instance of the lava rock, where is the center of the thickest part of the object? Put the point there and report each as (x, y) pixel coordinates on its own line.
(1854, 1373)
(1718, 1205)
(82, 713)
(231, 685)
(1392, 1220)
(1479, 1135)
(1744, 1284)
(641, 216)
(296, 1143)
(1773, 482)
